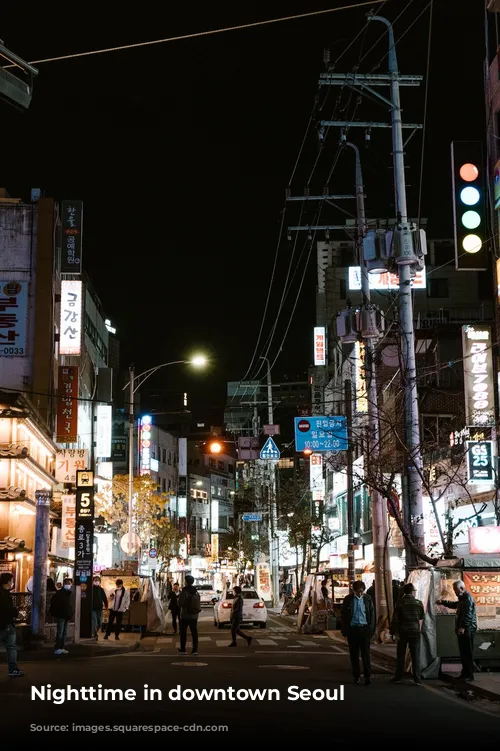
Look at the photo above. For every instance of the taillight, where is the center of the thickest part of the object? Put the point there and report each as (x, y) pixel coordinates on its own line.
(226, 605)
(259, 605)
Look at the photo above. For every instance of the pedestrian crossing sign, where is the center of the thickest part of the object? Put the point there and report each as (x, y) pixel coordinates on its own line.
(270, 452)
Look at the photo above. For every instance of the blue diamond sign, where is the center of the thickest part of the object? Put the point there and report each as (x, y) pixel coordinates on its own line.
(270, 452)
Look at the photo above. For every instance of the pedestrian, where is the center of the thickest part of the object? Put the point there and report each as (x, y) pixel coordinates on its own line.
(120, 603)
(99, 601)
(8, 612)
(406, 625)
(61, 607)
(51, 587)
(324, 591)
(237, 619)
(465, 626)
(397, 591)
(358, 625)
(173, 606)
(189, 602)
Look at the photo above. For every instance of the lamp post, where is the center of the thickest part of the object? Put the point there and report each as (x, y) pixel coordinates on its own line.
(135, 382)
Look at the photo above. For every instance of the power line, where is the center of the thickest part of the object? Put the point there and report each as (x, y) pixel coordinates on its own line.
(426, 96)
(198, 34)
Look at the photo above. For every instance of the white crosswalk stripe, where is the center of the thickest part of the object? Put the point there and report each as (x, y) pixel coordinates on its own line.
(266, 643)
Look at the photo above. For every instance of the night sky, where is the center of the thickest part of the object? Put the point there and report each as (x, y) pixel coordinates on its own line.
(182, 153)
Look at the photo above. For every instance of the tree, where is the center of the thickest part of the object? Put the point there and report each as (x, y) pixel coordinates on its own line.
(150, 515)
(296, 516)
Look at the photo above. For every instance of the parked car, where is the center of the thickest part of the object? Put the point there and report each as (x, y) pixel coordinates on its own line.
(207, 593)
(254, 610)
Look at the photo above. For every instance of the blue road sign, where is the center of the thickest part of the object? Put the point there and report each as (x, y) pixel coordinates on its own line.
(252, 517)
(270, 452)
(321, 433)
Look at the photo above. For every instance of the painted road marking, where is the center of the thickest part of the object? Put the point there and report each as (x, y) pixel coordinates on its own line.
(307, 643)
(266, 643)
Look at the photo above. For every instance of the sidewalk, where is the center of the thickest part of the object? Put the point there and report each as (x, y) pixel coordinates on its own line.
(87, 648)
(486, 685)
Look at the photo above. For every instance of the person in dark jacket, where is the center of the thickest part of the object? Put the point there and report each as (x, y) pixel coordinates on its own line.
(358, 625)
(189, 602)
(61, 607)
(465, 626)
(406, 625)
(237, 618)
(99, 601)
(8, 614)
(174, 607)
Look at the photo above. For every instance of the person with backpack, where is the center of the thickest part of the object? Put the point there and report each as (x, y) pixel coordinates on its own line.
(190, 607)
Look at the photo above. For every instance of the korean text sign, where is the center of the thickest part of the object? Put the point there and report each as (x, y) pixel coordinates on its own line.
(69, 462)
(484, 586)
(68, 521)
(13, 319)
(478, 376)
(72, 225)
(70, 332)
(67, 405)
(84, 531)
(320, 433)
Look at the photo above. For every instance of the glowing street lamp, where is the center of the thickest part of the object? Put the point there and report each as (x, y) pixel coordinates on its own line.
(199, 361)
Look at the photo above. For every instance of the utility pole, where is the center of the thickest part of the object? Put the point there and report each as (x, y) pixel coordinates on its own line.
(409, 371)
(273, 517)
(382, 565)
(351, 569)
(131, 458)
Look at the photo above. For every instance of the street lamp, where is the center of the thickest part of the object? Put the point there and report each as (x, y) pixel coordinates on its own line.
(134, 384)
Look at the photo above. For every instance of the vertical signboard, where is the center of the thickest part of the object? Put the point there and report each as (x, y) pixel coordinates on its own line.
(84, 547)
(13, 319)
(316, 480)
(318, 384)
(104, 430)
(145, 444)
(71, 245)
(480, 462)
(70, 331)
(478, 376)
(67, 405)
(68, 521)
(319, 345)
(361, 396)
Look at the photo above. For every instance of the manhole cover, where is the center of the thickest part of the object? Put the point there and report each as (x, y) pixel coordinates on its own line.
(285, 667)
(190, 664)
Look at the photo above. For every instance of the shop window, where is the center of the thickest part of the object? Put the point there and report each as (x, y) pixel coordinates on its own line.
(221, 466)
(437, 287)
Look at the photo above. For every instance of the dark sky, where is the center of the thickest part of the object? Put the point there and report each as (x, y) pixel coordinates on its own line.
(182, 153)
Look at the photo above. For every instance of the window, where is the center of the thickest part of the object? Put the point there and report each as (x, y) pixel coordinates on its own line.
(221, 466)
(163, 485)
(170, 458)
(343, 289)
(436, 430)
(211, 463)
(164, 456)
(437, 287)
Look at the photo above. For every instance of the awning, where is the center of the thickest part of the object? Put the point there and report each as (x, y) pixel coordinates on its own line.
(481, 561)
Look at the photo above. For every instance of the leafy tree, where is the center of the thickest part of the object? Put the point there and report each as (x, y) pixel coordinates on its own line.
(150, 515)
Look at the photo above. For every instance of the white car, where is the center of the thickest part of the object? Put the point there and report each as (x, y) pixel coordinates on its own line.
(254, 610)
(207, 593)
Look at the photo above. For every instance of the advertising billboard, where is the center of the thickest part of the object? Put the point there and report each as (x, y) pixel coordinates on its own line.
(70, 331)
(319, 345)
(478, 375)
(13, 319)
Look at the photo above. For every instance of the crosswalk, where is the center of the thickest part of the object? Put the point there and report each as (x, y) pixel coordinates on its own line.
(281, 638)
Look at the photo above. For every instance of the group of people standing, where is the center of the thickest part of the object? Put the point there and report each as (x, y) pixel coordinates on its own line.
(358, 626)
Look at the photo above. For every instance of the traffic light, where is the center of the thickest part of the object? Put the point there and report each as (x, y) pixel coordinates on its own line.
(469, 206)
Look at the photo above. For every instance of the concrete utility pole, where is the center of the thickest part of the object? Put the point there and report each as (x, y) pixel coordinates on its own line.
(409, 370)
(273, 517)
(131, 458)
(382, 565)
(351, 566)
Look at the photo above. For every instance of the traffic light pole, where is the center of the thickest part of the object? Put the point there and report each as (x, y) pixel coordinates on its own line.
(409, 371)
(273, 521)
(382, 565)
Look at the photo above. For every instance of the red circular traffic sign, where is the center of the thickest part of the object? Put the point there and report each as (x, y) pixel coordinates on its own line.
(304, 426)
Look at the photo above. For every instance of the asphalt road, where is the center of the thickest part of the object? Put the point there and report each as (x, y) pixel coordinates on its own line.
(381, 711)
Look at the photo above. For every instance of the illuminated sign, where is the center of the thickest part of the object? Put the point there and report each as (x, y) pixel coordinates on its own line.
(360, 378)
(316, 480)
(480, 461)
(104, 555)
(145, 443)
(215, 547)
(486, 541)
(104, 430)
(384, 280)
(320, 345)
(469, 206)
(70, 332)
(478, 375)
(13, 319)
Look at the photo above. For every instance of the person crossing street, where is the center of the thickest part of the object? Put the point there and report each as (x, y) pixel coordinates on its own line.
(237, 618)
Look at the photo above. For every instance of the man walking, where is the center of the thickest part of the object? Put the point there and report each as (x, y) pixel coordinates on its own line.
(120, 603)
(465, 626)
(406, 625)
(237, 618)
(358, 625)
(173, 606)
(7, 626)
(61, 607)
(189, 603)
(99, 601)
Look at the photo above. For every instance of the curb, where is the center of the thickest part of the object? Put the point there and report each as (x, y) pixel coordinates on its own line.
(86, 653)
(474, 688)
